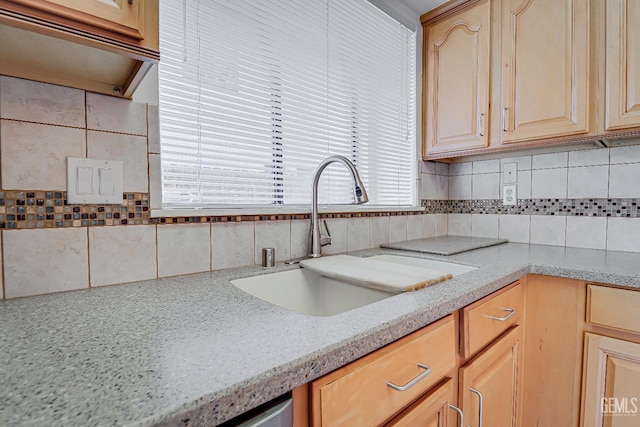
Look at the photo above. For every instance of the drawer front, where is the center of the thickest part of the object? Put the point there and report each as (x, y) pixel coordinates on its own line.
(485, 320)
(362, 395)
(614, 308)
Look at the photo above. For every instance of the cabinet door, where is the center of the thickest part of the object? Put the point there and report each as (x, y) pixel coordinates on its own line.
(457, 81)
(544, 69)
(125, 14)
(623, 64)
(489, 384)
(431, 410)
(611, 382)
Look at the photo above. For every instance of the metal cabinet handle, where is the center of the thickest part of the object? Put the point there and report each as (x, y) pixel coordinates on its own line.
(473, 390)
(413, 381)
(460, 414)
(510, 312)
(504, 119)
(481, 125)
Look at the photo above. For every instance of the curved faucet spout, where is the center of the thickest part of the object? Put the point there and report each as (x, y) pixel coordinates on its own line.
(358, 190)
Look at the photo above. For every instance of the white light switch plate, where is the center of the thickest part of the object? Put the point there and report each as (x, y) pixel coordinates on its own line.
(509, 195)
(91, 181)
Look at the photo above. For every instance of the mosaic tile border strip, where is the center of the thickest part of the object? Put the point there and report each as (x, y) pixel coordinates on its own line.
(621, 208)
(49, 209)
(284, 217)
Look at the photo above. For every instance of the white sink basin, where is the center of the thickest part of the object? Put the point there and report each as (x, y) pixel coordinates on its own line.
(445, 267)
(309, 293)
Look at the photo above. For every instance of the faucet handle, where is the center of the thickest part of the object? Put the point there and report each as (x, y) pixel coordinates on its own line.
(325, 239)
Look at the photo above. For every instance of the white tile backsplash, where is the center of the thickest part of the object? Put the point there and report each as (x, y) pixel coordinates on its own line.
(587, 232)
(130, 149)
(232, 244)
(486, 166)
(484, 226)
(357, 234)
(486, 186)
(549, 183)
(398, 228)
(460, 187)
(44, 261)
(428, 226)
(586, 182)
(273, 234)
(622, 234)
(378, 230)
(623, 180)
(463, 168)
(630, 154)
(515, 228)
(552, 160)
(414, 226)
(107, 113)
(37, 102)
(183, 249)
(34, 156)
(300, 234)
(523, 162)
(339, 233)
(548, 230)
(121, 254)
(598, 156)
(441, 224)
(460, 224)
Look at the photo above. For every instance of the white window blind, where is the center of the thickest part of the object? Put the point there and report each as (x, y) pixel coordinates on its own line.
(254, 94)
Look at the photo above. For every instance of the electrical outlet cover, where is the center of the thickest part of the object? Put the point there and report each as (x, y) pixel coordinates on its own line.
(509, 195)
(510, 173)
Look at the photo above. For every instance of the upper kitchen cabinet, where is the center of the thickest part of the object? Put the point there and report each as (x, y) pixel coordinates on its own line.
(456, 80)
(103, 46)
(545, 63)
(622, 64)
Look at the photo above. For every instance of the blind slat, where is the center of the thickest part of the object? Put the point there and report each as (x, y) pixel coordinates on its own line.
(255, 94)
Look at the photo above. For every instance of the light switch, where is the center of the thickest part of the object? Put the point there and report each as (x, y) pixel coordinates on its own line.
(105, 175)
(91, 181)
(84, 180)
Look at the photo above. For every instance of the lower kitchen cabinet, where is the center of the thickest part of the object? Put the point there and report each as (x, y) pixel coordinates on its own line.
(488, 384)
(372, 390)
(434, 409)
(611, 382)
(611, 379)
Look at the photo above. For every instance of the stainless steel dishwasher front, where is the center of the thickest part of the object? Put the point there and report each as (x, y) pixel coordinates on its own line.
(277, 413)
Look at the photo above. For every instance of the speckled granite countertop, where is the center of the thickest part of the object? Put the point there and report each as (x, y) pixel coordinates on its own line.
(196, 348)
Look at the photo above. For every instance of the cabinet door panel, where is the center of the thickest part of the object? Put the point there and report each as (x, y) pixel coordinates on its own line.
(119, 16)
(457, 81)
(612, 382)
(432, 410)
(494, 374)
(545, 63)
(623, 64)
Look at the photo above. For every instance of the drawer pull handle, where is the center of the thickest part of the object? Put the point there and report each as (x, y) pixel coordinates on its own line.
(460, 414)
(473, 390)
(510, 312)
(407, 386)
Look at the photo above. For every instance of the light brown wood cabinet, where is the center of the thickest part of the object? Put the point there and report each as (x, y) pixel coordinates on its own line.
(103, 46)
(434, 409)
(622, 64)
(488, 384)
(375, 388)
(560, 72)
(457, 81)
(611, 383)
(545, 45)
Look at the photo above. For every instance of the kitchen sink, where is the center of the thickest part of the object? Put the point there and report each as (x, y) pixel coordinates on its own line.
(308, 292)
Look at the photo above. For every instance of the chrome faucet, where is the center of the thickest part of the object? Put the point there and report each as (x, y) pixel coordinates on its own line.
(319, 239)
